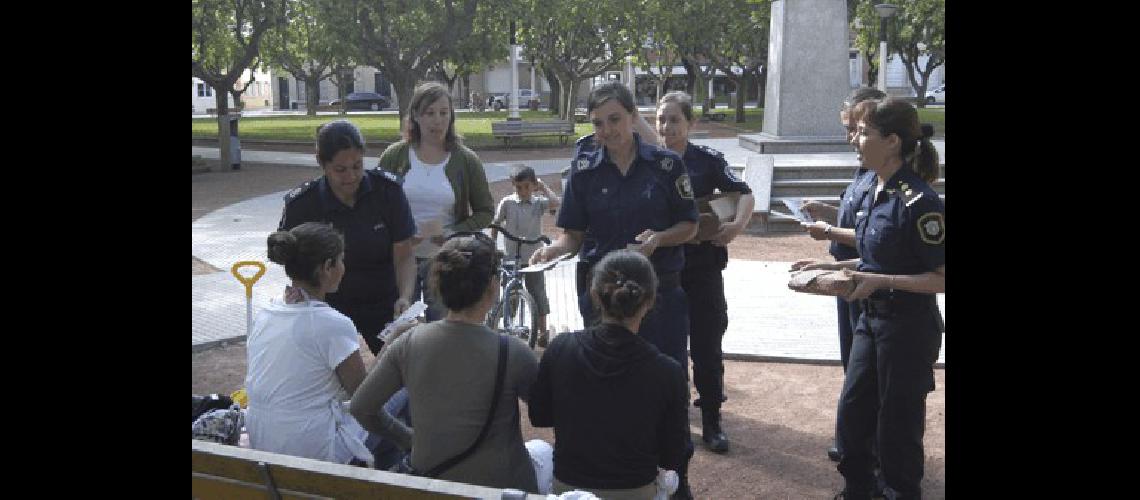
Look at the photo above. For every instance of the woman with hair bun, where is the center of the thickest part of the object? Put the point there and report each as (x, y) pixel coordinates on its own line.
(449, 368)
(304, 357)
(621, 403)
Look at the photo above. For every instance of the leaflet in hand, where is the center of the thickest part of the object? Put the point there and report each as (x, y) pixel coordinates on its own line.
(793, 204)
(545, 265)
(408, 316)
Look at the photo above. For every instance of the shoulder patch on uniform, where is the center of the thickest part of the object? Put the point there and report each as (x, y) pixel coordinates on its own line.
(710, 151)
(932, 228)
(582, 162)
(684, 186)
(585, 140)
(379, 172)
(300, 190)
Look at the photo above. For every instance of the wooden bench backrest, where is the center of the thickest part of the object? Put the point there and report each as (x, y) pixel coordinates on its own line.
(230, 472)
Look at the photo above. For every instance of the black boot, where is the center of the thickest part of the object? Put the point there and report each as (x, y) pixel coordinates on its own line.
(712, 434)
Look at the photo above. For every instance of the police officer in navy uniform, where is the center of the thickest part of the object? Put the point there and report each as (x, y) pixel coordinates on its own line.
(369, 208)
(625, 192)
(704, 260)
(842, 234)
(901, 237)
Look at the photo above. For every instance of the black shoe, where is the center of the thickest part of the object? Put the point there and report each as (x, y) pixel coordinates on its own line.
(846, 495)
(711, 433)
(833, 453)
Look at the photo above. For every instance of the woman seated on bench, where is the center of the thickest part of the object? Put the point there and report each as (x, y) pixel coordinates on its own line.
(304, 356)
(617, 404)
(449, 367)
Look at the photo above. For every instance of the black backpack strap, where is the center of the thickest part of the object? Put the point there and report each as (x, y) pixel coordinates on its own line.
(504, 353)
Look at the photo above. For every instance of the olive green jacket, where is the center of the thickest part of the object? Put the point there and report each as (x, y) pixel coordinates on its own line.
(474, 206)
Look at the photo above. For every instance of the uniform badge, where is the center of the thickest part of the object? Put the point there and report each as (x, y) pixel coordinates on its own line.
(932, 228)
(583, 163)
(731, 174)
(685, 187)
(666, 164)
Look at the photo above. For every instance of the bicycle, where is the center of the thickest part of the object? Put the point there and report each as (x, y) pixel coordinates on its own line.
(515, 312)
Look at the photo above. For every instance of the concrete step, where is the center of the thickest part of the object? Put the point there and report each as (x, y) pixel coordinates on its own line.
(814, 188)
(837, 170)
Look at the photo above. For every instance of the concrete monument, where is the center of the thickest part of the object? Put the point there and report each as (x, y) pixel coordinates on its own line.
(807, 79)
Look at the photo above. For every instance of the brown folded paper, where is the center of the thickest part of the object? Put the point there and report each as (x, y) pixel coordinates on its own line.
(821, 282)
(714, 210)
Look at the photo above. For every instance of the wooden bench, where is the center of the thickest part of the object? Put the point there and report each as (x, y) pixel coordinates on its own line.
(513, 129)
(229, 472)
(716, 117)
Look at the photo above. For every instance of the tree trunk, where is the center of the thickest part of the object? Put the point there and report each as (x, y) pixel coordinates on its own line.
(872, 70)
(238, 105)
(570, 93)
(761, 84)
(223, 128)
(555, 91)
(466, 79)
(741, 95)
(340, 93)
(405, 83)
(660, 90)
(691, 76)
(312, 89)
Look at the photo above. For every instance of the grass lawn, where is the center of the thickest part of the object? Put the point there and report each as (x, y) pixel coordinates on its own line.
(474, 127)
(754, 119)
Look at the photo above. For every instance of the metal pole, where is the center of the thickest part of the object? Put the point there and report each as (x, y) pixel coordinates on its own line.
(882, 54)
(712, 100)
(514, 105)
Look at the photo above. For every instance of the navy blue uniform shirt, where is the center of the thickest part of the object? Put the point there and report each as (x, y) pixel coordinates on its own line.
(380, 217)
(612, 209)
(708, 170)
(903, 229)
(849, 203)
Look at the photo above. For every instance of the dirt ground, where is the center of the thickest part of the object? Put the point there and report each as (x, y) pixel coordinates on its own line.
(780, 417)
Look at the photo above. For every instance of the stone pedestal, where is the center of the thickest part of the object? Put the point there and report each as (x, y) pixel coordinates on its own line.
(807, 79)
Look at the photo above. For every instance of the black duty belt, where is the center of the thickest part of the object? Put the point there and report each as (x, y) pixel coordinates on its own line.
(898, 303)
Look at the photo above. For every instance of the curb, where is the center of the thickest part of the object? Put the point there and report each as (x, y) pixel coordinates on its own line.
(751, 358)
(214, 344)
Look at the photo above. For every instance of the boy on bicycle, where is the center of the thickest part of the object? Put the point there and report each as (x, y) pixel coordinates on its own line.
(521, 214)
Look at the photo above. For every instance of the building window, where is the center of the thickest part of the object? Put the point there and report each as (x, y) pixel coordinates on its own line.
(205, 90)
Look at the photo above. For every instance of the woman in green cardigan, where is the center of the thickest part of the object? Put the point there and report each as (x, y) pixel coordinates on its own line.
(443, 180)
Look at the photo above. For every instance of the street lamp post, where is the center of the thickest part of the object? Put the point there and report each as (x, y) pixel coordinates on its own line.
(514, 105)
(885, 10)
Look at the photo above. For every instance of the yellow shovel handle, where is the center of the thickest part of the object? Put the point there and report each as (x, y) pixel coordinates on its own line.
(248, 282)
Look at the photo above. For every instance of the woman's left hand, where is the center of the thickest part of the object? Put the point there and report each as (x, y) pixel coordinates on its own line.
(727, 233)
(865, 284)
(646, 245)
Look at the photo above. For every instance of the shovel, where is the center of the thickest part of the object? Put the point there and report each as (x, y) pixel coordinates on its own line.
(248, 282)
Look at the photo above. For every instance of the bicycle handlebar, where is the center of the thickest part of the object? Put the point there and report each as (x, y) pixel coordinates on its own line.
(509, 236)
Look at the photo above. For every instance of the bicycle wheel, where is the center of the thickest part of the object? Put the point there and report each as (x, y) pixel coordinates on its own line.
(515, 314)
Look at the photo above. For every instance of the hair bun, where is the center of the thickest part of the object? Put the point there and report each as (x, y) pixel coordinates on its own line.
(282, 247)
(927, 130)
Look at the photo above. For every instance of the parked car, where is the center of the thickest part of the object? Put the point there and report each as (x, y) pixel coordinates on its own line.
(937, 95)
(364, 100)
(504, 100)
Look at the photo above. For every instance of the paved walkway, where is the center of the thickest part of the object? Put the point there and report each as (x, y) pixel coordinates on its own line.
(766, 319)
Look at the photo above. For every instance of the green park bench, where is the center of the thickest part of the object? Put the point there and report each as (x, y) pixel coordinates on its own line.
(513, 129)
